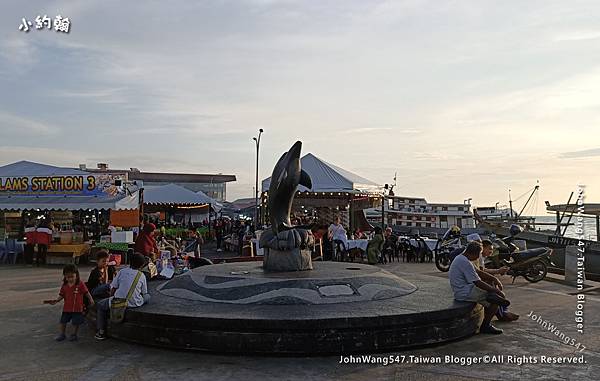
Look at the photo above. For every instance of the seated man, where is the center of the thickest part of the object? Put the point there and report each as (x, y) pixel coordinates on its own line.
(120, 287)
(470, 285)
(503, 313)
(100, 277)
(337, 235)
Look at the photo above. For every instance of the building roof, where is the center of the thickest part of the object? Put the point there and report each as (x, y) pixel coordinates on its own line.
(167, 177)
(29, 168)
(180, 177)
(242, 203)
(327, 177)
(407, 197)
(589, 208)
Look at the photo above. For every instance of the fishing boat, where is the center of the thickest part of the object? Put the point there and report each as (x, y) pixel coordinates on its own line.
(557, 241)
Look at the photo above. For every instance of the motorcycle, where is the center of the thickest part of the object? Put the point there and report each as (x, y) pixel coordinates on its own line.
(532, 264)
(447, 248)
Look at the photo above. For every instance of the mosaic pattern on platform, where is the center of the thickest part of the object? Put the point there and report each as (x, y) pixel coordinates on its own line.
(223, 284)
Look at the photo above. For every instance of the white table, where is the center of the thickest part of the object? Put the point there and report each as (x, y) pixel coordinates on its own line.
(357, 244)
(431, 243)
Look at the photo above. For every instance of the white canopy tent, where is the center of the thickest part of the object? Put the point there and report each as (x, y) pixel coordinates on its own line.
(174, 194)
(327, 177)
(335, 192)
(216, 205)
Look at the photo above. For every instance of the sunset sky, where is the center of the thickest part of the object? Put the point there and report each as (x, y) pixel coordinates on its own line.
(463, 99)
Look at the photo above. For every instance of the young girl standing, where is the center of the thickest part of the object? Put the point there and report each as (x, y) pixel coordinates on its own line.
(72, 292)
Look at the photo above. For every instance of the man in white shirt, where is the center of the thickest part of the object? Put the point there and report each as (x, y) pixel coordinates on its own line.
(337, 235)
(337, 231)
(120, 287)
(468, 286)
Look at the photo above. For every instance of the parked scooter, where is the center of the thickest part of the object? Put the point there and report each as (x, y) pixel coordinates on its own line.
(532, 264)
(446, 248)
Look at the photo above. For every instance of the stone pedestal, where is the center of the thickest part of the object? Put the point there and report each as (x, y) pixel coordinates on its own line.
(336, 308)
(288, 260)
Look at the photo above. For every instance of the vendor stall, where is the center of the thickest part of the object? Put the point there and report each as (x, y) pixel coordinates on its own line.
(73, 205)
(174, 205)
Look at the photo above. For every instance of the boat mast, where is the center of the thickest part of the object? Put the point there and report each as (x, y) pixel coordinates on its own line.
(535, 189)
(510, 204)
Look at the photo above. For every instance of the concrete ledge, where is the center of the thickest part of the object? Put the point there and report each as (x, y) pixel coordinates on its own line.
(424, 315)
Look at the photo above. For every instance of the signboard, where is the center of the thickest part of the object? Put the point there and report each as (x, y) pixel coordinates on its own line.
(62, 185)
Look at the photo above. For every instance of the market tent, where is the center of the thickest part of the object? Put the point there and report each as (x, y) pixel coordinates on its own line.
(217, 206)
(26, 199)
(327, 177)
(174, 194)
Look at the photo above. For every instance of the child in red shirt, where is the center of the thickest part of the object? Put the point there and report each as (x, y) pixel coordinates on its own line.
(72, 292)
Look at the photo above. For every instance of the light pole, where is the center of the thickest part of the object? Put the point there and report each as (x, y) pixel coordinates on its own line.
(256, 191)
(385, 187)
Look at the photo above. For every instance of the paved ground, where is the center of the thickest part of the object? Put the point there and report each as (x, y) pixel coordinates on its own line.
(28, 351)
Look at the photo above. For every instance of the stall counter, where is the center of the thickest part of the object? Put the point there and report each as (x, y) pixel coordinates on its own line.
(61, 254)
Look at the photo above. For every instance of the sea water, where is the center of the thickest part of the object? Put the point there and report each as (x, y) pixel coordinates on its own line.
(589, 226)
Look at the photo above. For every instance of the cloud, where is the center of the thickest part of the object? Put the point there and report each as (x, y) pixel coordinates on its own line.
(17, 56)
(581, 35)
(366, 130)
(101, 95)
(14, 153)
(580, 154)
(18, 125)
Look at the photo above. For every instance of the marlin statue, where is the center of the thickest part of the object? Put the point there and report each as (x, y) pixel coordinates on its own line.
(286, 176)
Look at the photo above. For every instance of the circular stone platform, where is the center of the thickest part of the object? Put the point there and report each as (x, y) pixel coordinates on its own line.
(335, 308)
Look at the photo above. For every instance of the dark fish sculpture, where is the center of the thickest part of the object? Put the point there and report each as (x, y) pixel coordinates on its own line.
(286, 176)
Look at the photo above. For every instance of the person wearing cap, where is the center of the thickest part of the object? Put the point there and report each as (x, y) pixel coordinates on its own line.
(479, 263)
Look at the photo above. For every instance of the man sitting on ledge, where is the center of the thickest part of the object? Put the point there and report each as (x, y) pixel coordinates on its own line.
(468, 286)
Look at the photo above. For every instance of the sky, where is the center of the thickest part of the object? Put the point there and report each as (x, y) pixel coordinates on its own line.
(462, 99)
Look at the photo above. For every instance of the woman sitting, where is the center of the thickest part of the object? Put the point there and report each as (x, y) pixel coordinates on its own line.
(145, 243)
(375, 246)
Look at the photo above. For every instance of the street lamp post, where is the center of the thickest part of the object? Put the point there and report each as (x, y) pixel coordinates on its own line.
(386, 186)
(256, 191)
